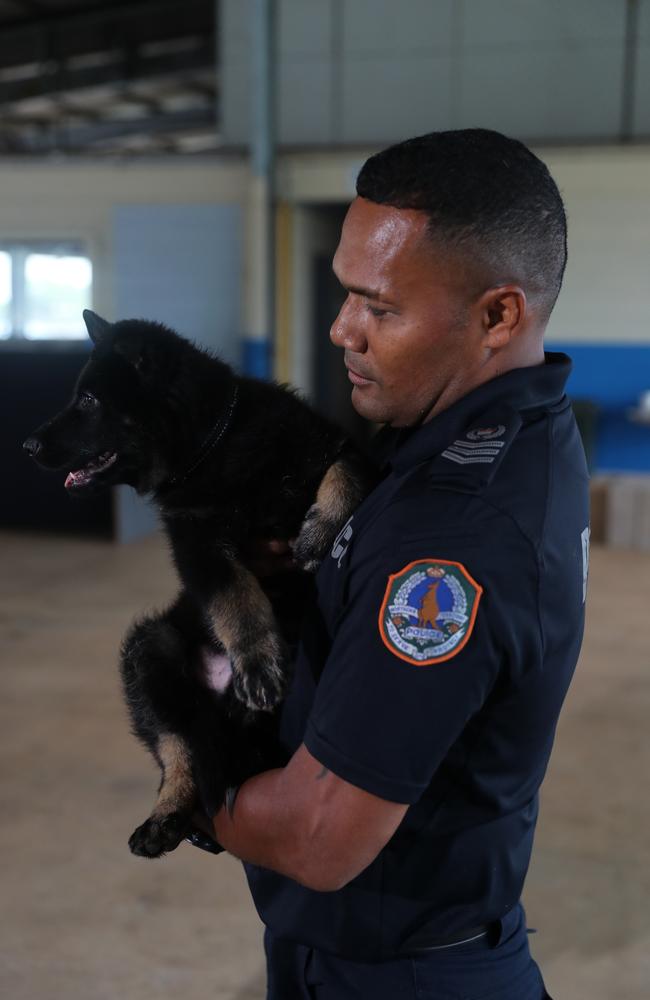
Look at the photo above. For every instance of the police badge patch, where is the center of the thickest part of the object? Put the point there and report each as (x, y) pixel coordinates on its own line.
(429, 610)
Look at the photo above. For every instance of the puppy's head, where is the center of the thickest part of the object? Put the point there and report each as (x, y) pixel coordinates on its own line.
(110, 431)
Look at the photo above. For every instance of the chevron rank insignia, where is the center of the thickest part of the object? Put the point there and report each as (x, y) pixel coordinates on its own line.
(480, 445)
(429, 611)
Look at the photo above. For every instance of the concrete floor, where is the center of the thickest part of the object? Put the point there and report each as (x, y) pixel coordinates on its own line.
(81, 919)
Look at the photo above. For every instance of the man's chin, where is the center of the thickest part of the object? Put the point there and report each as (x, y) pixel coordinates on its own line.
(368, 406)
(382, 411)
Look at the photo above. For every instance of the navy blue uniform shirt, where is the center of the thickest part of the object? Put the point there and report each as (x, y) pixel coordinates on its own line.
(432, 671)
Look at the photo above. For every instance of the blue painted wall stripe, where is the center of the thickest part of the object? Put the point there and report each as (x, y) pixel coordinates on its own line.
(257, 358)
(612, 376)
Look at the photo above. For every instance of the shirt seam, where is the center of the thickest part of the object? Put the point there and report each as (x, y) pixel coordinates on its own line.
(535, 549)
(542, 535)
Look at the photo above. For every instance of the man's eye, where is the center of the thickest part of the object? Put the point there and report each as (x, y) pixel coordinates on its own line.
(87, 401)
(378, 313)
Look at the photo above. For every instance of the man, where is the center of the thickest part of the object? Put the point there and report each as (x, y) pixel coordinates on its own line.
(387, 858)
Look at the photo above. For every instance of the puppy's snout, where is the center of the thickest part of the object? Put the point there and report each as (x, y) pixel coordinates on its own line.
(32, 446)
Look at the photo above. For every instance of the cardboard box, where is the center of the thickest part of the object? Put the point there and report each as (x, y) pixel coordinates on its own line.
(627, 512)
(598, 495)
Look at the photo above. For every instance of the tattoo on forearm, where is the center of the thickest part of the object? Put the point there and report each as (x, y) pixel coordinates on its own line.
(322, 774)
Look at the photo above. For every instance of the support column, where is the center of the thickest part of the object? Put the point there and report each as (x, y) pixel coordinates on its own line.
(259, 278)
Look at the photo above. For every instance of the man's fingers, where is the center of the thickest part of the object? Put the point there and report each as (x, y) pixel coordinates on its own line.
(267, 557)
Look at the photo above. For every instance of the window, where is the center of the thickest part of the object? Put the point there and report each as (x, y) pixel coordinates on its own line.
(5, 294)
(43, 290)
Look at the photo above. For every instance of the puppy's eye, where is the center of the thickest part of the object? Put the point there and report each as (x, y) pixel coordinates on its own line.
(87, 401)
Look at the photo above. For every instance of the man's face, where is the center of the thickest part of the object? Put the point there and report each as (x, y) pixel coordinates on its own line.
(406, 324)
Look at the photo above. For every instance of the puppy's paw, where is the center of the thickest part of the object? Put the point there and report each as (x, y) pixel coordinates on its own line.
(159, 834)
(314, 539)
(260, 675)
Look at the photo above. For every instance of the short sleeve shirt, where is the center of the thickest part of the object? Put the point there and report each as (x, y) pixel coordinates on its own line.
(433, 668)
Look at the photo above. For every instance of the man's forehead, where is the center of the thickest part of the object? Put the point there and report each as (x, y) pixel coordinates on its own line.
(378, 235)
(383, 226)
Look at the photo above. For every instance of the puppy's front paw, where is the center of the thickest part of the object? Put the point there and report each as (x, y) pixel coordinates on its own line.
(159, 834)
(314, 539)
(259, 675)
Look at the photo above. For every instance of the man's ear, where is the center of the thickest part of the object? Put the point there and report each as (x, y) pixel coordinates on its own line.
(504, 311)
(96, 326)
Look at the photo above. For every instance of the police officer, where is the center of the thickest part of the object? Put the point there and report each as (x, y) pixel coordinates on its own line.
(387, 858)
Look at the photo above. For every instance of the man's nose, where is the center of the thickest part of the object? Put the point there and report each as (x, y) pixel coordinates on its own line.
(32, 446)
(346, 330)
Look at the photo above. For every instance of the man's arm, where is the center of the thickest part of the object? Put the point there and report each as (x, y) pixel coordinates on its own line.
(307, 823)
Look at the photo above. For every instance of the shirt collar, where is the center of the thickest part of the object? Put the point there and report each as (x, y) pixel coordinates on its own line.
(523, 389)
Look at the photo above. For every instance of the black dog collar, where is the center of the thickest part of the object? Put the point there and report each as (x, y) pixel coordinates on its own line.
(210, 442)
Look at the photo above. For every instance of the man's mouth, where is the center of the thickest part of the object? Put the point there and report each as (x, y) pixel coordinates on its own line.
(356, 378)
(82, 477)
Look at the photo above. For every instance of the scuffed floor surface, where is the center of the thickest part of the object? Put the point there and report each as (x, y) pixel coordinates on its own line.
(80, 919)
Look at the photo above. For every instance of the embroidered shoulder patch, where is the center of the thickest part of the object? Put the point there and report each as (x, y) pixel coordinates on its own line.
(429, 610)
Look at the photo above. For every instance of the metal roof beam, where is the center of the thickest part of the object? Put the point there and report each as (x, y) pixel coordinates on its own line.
(74, 138)
(56, 78)
(63, 36)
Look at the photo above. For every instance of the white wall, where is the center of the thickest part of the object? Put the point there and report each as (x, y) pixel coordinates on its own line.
(51, 199)
(606, 294)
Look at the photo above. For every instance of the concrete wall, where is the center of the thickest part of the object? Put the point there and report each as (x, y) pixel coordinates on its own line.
(355, 71)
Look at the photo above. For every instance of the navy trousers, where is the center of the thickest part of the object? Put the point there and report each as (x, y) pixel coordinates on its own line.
(495, 968)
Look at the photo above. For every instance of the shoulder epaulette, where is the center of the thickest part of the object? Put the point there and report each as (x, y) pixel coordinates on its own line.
(470, 462)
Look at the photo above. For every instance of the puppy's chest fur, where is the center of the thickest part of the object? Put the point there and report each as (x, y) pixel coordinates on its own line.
(257, 484)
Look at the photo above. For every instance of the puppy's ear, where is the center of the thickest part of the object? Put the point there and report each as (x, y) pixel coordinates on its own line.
(96, 326)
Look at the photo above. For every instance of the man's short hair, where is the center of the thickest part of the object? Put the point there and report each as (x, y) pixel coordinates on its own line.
(488, 197)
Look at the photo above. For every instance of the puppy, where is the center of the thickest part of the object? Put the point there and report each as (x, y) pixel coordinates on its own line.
(226, 460)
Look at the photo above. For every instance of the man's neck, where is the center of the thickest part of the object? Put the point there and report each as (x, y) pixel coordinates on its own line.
(498, 364)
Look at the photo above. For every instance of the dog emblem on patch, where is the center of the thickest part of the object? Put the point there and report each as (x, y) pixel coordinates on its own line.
(429, 610)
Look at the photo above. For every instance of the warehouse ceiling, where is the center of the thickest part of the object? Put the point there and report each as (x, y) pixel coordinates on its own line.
(103, 79)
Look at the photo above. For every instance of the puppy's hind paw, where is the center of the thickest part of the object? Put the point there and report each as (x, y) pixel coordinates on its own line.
(159, 834)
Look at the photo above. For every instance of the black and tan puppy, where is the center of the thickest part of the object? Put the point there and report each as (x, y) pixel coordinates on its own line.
(226, 460)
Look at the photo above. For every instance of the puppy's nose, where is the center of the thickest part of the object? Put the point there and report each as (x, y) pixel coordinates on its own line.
(32, 446)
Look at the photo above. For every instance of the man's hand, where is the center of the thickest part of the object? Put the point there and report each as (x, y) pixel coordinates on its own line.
(268, 557)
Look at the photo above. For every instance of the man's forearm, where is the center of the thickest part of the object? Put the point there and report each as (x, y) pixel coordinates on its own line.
(283, 820)
(305, 822)
(267, 825)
